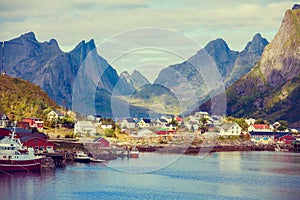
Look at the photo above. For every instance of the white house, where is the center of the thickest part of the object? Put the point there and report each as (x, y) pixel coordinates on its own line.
(84, 127)
(201, 114)
(143, 123)
(4, 120)
(128, 123)
(94, 118)
(55, 115)
(106, 126)
(230, 128)
(250, 121)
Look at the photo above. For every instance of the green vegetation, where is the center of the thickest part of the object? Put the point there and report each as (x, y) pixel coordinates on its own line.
(156, 98)
(20, 99)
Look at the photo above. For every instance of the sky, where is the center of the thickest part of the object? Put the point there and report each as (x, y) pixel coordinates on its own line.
(143, 34)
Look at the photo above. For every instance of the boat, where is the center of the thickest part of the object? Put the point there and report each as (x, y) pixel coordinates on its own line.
(97, 160)
(82, 157)
(134, 153)
(14, 157)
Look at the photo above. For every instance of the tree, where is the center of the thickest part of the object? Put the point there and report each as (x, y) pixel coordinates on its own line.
(283, 125)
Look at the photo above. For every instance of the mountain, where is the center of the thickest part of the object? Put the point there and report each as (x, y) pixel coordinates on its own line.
(211, 68)
(127, 83)
(63, 75)
(138, 79)
(247, 58)
(272, 88)
(20, 98)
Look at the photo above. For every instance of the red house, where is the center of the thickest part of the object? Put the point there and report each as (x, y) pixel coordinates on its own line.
(38, 143)
(34, 122)
(24, 125)
(164, 132)
(287, 139)
(102, 142)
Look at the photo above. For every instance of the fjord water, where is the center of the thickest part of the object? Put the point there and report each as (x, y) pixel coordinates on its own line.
(223, 175)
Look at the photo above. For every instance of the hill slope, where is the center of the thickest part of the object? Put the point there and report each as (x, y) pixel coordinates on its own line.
(20, 98)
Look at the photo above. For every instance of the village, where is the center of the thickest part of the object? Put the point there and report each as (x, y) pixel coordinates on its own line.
(104, 136)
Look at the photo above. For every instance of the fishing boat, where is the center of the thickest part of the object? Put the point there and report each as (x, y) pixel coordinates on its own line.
(14, 157)
(134, 153)
(82, 157)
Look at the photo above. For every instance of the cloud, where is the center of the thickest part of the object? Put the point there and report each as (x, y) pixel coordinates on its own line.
(71, 21)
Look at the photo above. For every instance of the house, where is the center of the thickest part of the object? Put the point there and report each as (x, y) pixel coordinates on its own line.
(162, 121)
(259, 128)
(35, 123)
(230, 128)
(286, 139)
(55, 115)
(84, 127)
(102, 142)
(201, 114)
(128, 123)
(96, 118)
(24, 125)
(168, 118)
(106, 126)
(191, 125)
(250, 121)
(143, 123)
(4, 120)
(179, 120)
(37, 143)
(266, 137)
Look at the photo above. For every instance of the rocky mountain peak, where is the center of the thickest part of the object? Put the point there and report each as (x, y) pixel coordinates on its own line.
(257, 44)
(29, 35)
(217, 44)
(281, 58)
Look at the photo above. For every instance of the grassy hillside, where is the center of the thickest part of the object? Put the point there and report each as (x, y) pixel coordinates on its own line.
(20, 98)
(157, 98)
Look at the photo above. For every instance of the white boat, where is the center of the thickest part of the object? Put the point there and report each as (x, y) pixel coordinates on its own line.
(134, 153)
(13, 157)
(82, 157)
(97, 160)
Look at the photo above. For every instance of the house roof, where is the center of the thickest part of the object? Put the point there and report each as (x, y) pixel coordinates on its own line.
(147, 120)
(163, 120)
(287, 136)
(85, 123)
(261, 126)
(227, 126)
(179, 119)
(130, 120)
(99, 139)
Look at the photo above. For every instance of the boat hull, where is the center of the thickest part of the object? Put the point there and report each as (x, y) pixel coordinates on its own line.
(82, 160)
(20, 165)
(134, 155)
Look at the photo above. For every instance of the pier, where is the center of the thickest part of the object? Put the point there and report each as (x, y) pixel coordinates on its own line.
(59, 158)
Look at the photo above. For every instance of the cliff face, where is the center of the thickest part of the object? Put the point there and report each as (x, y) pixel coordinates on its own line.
(280, 61)
(271, 88)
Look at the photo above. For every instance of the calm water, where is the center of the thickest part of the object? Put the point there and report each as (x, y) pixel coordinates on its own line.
(226, 175)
